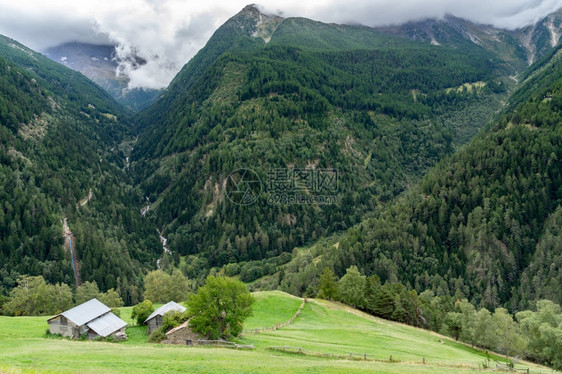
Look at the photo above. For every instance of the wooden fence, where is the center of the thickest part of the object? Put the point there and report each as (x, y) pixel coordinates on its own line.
(350, 356)
(277, 326)
(224, 343)
(500, 367)
(371, 357)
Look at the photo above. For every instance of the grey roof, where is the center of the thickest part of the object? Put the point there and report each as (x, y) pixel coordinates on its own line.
(165, 308)
(107, 324)
(86, 312)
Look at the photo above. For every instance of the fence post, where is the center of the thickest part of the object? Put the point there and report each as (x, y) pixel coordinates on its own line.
(424, 360)
(365, 356)
(390, 358)
(300, 350)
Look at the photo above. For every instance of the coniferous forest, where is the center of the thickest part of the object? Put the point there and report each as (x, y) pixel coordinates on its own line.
(446, 214)
(61, 140)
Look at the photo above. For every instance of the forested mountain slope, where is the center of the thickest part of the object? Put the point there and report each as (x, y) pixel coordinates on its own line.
(268, 93)
(59, 139)
(485, 223)
(292, 101)
(518, 48)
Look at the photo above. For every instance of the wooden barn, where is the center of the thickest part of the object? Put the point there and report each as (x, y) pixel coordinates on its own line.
(182, 335)
(92, 318)
(155, 320)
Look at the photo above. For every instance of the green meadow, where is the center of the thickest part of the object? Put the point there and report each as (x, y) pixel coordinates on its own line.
(322, 328)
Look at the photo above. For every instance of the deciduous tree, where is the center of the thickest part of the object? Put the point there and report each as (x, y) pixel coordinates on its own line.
(352, 287)
(220, 307)
(86, 292)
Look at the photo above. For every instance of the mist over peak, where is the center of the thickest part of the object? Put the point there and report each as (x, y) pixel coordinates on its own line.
(166, 34)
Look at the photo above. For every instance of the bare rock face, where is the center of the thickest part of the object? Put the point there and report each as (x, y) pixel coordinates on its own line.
(255, 22)
(265, 24)
(100, 64)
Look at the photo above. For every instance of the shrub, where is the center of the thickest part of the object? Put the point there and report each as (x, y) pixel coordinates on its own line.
(232, 270)
(157, 335)
(250, 273)
(173, 318)
(142, 311)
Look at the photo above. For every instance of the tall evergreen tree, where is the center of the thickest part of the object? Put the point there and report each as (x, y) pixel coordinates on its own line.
(328, 285)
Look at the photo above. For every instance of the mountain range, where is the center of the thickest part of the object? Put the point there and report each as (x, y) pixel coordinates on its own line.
(440, 142)
(520, 47)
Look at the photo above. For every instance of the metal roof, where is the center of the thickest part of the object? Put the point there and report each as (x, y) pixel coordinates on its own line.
(166, 308)
(107, 324)
(86, 312)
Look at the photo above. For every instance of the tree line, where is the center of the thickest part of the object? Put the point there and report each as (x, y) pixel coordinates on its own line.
(34, 296)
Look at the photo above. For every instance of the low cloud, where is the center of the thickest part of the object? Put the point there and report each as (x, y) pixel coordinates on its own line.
(167, 33)
(509, 14)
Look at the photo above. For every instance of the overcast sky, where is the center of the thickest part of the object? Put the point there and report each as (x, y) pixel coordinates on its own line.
(169, 32)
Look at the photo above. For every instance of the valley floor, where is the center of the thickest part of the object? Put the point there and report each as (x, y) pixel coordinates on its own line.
(322, 327)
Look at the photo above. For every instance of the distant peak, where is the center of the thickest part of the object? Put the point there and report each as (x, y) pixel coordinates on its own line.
(251, 9)
(256, 22)
(256, 10)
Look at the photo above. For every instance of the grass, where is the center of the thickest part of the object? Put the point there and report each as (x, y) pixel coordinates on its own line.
(332, 328)
(271, 308)
(322, 327)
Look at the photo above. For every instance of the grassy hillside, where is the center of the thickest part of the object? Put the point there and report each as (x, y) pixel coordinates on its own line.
(271, 308)
(322, 327)
(329, 327)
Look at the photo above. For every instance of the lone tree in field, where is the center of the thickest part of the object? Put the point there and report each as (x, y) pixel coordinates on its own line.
(328, 288)
(219, 308)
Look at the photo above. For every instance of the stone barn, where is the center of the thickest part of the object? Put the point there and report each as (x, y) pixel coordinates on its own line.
(155, 320)
(182, 335)
(92, 318)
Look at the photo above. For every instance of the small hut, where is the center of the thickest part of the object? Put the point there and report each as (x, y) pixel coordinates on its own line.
(155, 320)
(92, 318)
